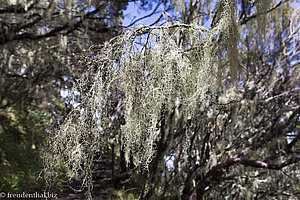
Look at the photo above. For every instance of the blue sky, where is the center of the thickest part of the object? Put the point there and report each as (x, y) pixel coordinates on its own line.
(133, 13)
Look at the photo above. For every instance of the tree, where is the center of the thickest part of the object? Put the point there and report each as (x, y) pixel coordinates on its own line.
(201, 113)
(39, 42)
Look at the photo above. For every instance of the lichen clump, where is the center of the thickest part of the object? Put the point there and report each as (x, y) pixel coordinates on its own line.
(146, 69)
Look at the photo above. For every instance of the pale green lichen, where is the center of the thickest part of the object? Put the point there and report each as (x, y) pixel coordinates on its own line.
(159, 73)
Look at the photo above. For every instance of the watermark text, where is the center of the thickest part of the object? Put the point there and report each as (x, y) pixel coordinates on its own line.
(25, 195)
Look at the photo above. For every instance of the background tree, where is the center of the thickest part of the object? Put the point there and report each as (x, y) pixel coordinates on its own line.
(39, 42)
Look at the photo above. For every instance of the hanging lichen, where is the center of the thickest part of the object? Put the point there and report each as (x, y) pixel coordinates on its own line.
(146, 69)
(261, 9)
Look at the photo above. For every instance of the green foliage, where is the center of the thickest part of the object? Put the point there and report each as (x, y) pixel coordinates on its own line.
(20, 145)
(123, 195)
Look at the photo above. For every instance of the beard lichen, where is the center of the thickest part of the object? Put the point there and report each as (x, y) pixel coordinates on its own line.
(146, 70)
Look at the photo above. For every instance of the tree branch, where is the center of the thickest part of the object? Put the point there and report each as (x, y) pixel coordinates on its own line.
(261, 164)
(144, 17)
(217, 172)
(14, 9)
(67, 28)
(246, 19)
